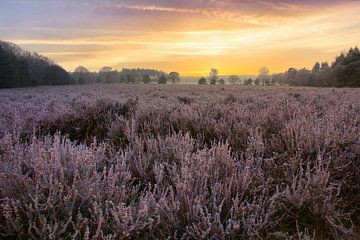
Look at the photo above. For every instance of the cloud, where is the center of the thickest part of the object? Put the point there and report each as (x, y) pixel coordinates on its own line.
(259, 7)
(252, 12)
(233, 35)
(149, 8)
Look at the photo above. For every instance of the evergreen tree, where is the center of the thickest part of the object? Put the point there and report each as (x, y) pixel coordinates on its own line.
(202, 81)
(55, 75)
(19, 68)
(7, 70)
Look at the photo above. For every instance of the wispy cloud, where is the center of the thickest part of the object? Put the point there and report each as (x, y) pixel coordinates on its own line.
(221, 10)
(187, 36)
(148, 8)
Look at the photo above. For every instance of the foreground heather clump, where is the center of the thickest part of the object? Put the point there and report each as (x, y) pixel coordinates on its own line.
(179, 162)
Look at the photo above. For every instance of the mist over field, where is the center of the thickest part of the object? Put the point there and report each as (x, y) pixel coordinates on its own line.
(194, 119)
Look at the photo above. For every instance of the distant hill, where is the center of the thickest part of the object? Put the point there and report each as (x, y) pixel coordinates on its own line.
(19, 68)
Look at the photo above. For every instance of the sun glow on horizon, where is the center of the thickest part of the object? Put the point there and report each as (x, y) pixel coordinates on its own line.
(235, 38)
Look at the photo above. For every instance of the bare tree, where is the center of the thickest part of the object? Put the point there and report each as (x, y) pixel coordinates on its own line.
(213, 76)
(81, 75)
(263, 75)
(104, 74)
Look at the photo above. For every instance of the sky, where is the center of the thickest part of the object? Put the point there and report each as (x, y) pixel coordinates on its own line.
(188, 36)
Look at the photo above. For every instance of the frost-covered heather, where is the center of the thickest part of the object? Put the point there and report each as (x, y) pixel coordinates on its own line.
(179, 162)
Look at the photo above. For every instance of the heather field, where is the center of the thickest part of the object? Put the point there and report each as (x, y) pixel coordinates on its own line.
(179, 162)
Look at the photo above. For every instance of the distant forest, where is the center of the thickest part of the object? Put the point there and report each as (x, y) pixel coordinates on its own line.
(81, 75)
(343, 72)
(19, 68)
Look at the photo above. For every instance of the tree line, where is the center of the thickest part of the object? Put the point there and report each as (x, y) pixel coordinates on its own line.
(82, 75)
(343, 72)
(19, 68)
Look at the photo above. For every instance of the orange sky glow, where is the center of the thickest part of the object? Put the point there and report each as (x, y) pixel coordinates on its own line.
(237, 37)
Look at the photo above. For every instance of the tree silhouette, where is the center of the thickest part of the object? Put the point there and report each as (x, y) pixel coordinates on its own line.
(81, 75)
(7, 70)
(162, 80)
(19, 68)
(264, 76)
(248, 82)
(174, 77)
(55, 75)
(202, 81)
(213, 76)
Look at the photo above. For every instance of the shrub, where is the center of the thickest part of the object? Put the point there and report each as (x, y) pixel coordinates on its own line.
(135, 162)
(92, 122)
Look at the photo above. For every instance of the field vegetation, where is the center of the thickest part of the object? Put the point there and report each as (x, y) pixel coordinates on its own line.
(123, 161)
